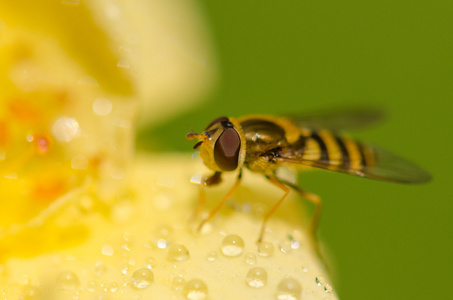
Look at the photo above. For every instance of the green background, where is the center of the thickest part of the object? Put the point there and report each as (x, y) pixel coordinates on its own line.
(388, 241)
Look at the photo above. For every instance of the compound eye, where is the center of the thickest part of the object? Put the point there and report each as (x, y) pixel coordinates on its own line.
(218, 120)
(226, 150)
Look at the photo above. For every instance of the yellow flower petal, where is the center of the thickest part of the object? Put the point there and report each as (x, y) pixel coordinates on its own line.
(143, 245)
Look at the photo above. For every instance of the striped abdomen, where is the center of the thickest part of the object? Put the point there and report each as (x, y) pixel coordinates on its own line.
(325, 147)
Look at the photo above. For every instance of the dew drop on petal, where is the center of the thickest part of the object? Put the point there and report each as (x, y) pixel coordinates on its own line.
(265, 249)
(67, 281)
(92, 285)
(124, 269)
(177, 252)
(151, 263)
(65, 129)
(102, 106)
(212, 256)
(288, 289)
(142, 278)
(107, 250)
(232, 245)
(178, 283)
(320, 280)
(99, 269)
(250, 258)
(113, 287)
(256, 277)
(195, 289)
(161, 243)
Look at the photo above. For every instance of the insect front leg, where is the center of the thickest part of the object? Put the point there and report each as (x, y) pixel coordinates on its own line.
(214, 179)
(275, 180)
(224, 199)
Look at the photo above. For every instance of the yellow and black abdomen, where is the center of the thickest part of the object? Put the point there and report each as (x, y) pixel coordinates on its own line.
(327, 148)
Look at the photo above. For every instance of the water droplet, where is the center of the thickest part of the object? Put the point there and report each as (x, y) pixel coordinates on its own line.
(177, 252)
(265, 249)
(250, 258)
(196, 178)
(195, 289)
(288, 289)
(212, 256)
(113, 287)
(65, 129)
(151, 263)
(99, 269)
(328, 288)
(256, 277)
(67, 281)
(124, 269)
(92, 285)
(285, 246)
(232, 245)
(178, 283)
(161, 243)
(142, 278)
(107, 250)
(320, 280)
(295, 244)
(102, 106)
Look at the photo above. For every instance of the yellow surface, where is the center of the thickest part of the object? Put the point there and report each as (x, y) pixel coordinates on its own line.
(146, 218)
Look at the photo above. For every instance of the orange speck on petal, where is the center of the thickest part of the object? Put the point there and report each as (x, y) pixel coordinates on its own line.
(48, 189)
(24, 111)
(42, 143)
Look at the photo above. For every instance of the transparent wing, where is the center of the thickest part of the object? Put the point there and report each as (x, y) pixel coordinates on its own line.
(386, 166)
(339, 119)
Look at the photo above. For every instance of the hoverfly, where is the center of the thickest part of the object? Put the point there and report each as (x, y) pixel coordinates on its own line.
(264, 143)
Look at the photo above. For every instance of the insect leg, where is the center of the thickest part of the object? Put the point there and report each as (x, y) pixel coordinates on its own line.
(282, 186)
(316, 200)
(207, 181)
(224, 199)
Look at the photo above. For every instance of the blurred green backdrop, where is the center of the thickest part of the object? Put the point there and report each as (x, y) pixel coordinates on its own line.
(388, 241)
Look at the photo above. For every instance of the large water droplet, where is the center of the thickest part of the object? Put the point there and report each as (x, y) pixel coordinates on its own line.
(256, 277)
(265, 249)
(195, 289)
(102, 106)
(232, 245)
(142, 278)
(65, 129)
(67, 281)
(288, 289)
(177, 252)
